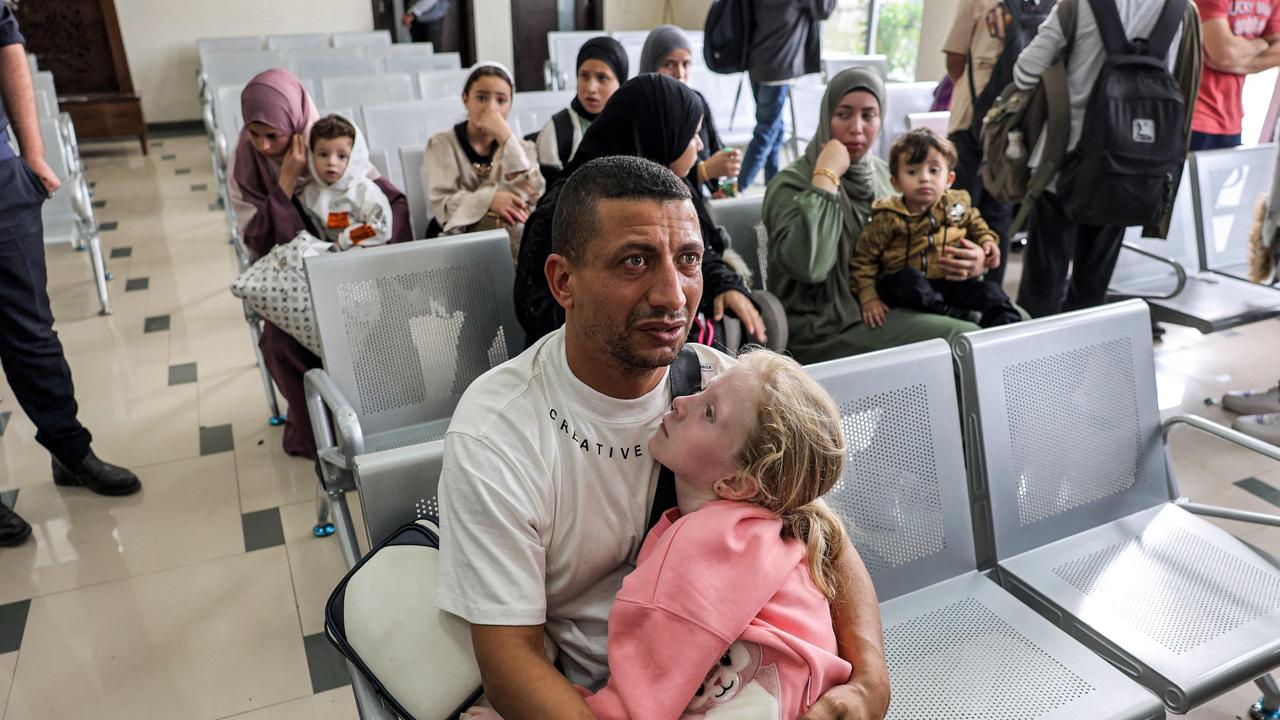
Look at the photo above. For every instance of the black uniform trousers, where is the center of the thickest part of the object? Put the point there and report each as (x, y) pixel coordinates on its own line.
(998, 214)
(909, 288)
(30, 352)
(1057, 244)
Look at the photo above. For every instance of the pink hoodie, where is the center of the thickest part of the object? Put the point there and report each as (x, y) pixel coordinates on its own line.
(719, 619)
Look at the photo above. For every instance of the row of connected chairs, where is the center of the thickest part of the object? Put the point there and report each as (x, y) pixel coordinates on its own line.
(68, 216)
(1012, 532)
(1198, 275)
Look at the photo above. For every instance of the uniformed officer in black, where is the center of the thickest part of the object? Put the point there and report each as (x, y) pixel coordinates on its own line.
(30, 351)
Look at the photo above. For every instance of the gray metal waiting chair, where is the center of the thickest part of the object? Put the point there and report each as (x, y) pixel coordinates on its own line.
(1226, 184)
(739, 216)
(404, 329)
(1170, 275)
(442, 86)
(1079, 507)
(355, 91)
(298, 40)
(361, 39)
(957, 644)
(415, 188)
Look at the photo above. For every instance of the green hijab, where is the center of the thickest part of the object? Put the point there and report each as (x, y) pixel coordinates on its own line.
(858, 181)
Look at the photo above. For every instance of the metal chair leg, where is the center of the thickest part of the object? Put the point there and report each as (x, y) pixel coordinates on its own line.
(99, 271)
(273, 405)
(1268, 706)
(323, 527)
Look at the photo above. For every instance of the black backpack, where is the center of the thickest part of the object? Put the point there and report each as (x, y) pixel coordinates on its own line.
(1027, 16)
(1133, 144)
(727, 36)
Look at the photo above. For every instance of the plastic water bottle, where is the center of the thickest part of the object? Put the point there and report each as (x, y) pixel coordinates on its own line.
(1015, 149)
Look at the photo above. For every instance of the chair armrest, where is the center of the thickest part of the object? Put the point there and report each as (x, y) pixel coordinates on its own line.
(325, 399)
(1178, 270)
(1233, 436)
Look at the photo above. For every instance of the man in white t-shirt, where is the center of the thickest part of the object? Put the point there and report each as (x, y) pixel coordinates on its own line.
(547, 482)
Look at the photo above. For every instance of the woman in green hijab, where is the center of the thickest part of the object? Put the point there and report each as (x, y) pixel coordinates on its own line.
(815, 210)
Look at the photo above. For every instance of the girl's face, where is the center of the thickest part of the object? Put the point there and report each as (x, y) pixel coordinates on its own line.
(486, 94)
(268, 141)
(684, 164)
(702, 436)
(856, 122)
(676, 65)
(596, 84)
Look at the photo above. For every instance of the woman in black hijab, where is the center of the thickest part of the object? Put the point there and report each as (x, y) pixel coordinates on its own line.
(601, 69)
(656, 118)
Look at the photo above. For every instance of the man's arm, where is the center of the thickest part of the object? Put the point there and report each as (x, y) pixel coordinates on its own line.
(1226, 51)
(1264, 60)
(955, 65)
(861, 640)
(20, 105)
(519, 681)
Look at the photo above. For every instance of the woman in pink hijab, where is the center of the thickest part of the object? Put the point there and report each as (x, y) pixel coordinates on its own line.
(267, 173)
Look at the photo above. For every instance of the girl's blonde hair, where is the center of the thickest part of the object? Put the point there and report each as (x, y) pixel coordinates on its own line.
(796, 452)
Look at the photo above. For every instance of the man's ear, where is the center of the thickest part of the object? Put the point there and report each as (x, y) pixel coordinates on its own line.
(737, 487)
(558, 270)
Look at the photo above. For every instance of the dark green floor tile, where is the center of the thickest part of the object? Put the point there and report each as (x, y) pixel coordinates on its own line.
(182, 374)
(262, 529)
(216, 439)
(13, 623)
(327, 666)
(156, 323)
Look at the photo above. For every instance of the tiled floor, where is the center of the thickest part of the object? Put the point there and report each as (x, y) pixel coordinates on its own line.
(202, 597)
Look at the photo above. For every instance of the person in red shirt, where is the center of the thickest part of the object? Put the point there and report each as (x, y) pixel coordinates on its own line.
(1240, 37)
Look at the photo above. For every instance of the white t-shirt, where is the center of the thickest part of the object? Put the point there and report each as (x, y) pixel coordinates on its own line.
(544, 499)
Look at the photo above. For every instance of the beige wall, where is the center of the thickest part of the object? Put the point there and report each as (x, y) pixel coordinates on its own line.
(494, 43)
(632, 14)
(160, 39)
(938, 16)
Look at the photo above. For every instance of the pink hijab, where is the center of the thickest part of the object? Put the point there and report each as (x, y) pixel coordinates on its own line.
(276, 98)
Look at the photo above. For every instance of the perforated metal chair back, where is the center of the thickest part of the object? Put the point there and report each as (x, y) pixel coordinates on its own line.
(901, 100)
(1227, 186)
(337, 67)
(562, 48)
(903, 488)
(1063, 424)
(446, 61)
(238, 67)
(739, 216)
(404, 329)
(398, 486)
(442, 85)
(300, 40)
(415, 188)
(832, 66)
(209, 46)
(393, 126)
(412, 63)
(368, 90)
(531, 111)
(354, 39)
(381, 160)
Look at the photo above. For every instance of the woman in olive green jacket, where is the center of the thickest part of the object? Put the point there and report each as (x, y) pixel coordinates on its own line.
(814, 211)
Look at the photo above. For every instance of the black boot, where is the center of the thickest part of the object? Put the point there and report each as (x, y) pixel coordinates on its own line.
(96, 475)
(13, 529)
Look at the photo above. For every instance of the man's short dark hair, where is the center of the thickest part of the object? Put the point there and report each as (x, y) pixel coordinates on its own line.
(913, 147)
(618, 177)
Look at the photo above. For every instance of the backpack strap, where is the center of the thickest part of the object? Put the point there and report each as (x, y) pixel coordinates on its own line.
(1107, 18)
(686, 376)
(563, 122)
(1161, 37)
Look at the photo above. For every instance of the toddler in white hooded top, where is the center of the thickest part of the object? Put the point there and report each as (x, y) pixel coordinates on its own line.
(344, 203)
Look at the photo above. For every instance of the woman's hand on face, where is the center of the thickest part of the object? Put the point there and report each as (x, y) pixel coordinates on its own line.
(723, 164)
(293, 164)
(834, 157)
(494, 125)
(962, 261)
(510, 207)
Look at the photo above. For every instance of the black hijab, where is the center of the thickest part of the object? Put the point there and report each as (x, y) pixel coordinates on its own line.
(608, 51)
(650, 116)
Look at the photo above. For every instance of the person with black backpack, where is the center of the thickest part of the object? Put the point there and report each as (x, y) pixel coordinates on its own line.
(986, 38)
(1127, 143)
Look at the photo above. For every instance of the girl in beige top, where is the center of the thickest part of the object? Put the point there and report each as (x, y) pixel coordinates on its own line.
(480, 175)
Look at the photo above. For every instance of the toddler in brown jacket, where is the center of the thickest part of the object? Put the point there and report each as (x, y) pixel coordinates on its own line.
(896, 260)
